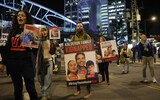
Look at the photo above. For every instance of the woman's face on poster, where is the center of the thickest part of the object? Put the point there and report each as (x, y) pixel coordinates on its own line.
(72, 66)
(55, 33)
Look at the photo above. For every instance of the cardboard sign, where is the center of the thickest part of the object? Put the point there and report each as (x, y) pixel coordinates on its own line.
(109, 50)
(3, 39)
(54, 33)
(80, 63)
(30, 36)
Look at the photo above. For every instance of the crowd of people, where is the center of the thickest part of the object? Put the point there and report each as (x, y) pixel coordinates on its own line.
(26, 63)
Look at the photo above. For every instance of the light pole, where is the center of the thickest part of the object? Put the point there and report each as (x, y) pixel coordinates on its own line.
(153, 18)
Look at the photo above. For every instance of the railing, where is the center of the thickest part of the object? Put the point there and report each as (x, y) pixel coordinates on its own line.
(38, 12)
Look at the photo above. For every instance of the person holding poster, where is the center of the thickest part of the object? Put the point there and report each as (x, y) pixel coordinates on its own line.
(127, 54)
(1, 65)
(44, 63)
(72, 70)
(103, 66)
(20, 60)
(81, 35)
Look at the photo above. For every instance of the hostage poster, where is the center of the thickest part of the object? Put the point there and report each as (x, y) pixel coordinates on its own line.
(80, 63)
(54, 33)
(30, 36)
(109, 50)
(3, 39)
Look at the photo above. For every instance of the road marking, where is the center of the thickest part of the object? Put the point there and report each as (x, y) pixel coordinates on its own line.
(113, 77)
(156, 87)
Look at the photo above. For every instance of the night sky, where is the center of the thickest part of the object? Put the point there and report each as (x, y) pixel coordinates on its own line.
(56, 5)
(150, 8)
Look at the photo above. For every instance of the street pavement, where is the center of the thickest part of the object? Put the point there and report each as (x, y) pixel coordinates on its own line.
(122, 86)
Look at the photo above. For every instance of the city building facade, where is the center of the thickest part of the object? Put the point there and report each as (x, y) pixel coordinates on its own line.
(103, 17)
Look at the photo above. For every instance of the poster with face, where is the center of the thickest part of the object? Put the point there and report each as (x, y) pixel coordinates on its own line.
(109, 50)
(54, 33)
(80, 63)
(30, 36)
(3, 39)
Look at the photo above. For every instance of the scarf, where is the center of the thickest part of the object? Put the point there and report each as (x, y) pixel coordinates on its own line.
(42, 64)
(145, 44)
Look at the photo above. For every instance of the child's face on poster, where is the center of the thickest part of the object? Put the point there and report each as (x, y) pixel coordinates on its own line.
(91, 69)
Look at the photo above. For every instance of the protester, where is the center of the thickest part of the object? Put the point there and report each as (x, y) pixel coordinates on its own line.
(146, 51)
(127, 54)
(154, 52)
(159, 52)
(19, 60)
(134, 57)
(103, 66)
(44, 63)
(81, 35)
(119, 50)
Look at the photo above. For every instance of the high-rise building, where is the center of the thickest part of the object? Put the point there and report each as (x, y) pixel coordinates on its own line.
(71, 12)
(117, 20)
(100, 16)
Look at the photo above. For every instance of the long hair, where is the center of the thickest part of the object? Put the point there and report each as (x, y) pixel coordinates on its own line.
(29, 19)
(104, 39)
(44, 29)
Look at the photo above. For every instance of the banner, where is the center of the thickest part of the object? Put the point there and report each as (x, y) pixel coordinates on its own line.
(3, 39)
(30, 36)
(109, 50)
(54, 33)
(80, 63)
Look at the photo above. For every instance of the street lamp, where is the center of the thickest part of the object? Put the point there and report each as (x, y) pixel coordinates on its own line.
(153, 18)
